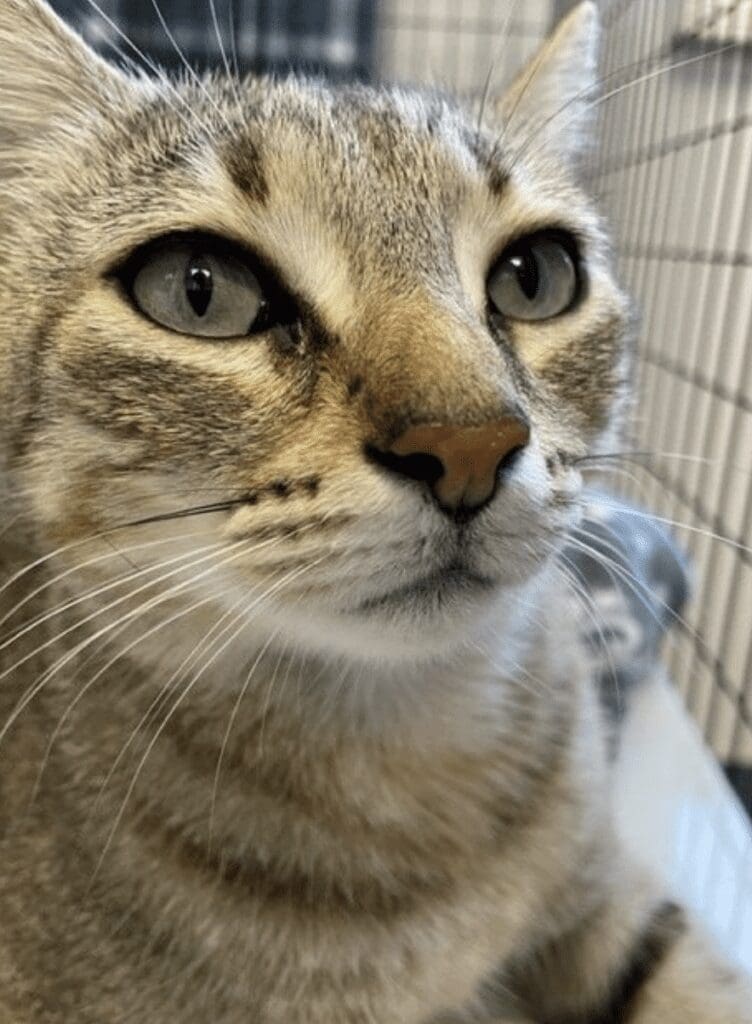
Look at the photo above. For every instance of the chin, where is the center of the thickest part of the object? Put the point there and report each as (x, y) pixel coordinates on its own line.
(408, 625)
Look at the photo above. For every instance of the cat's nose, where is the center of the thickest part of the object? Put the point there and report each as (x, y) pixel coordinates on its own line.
(461, 465)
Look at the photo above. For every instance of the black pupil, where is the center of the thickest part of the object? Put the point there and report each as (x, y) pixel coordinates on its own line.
(526, 267)
(199, 285)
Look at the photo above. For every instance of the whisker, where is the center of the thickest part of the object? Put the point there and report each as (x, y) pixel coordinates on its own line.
(223, 54)
(88, 686)
(192, 656)
(582, 94)
(65, 659)
(228, 731)
(640, 590)
(158, 72)
(177, 703)
(233, 40)
(90, 595)
(536, 687)
(188, 66)
(633, 478)
(624, 87)
(146, 521)
(530, 75)
(183, 513)
(87, 564)
(637, 587)
(638, 456)
(501, 49)
(32, 692)
(586, 92)
(206, 643)
(618, 571)
(589, 606)
(239, 701)
(650, 516)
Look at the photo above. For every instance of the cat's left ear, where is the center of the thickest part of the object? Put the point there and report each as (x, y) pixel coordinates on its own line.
(552, 96)
(48, 76)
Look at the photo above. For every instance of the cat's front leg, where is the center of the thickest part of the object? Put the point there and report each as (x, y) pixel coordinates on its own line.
(633, 959)
(692, 986)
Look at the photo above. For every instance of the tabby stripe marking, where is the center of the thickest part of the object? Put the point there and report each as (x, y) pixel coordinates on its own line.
(666, 926)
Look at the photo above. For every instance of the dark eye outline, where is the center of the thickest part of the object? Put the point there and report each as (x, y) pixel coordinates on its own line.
(279, 308)
(571, 245)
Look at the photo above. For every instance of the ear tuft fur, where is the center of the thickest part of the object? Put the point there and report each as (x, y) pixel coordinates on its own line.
(48, 76)
(552, 96)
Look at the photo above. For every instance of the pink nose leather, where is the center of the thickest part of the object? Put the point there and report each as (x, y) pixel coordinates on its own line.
(470, 456)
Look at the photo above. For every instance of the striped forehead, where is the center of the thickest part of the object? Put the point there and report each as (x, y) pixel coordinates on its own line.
(344, 195)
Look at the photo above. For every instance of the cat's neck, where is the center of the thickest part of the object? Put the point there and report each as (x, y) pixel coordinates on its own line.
(334, 750)
(232, 813)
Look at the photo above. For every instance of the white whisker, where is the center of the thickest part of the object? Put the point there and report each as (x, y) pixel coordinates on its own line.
(228, 731)
(624, 87)
(158, 72)
(590, 608)
(143, 546)
(207, 642)
(500, 51)
(176, 589)
(91, 595)
(102, 672)
(189, 68)
(677, 524)
(177, 703)
(223, 54)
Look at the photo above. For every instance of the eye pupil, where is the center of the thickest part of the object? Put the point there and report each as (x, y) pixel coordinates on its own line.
(528, 274)
(538, 278)
(199, 286)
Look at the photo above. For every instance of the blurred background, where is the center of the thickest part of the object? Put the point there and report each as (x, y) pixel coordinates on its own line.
(673, 172)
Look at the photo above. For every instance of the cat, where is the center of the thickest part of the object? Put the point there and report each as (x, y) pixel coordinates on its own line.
(294, 385)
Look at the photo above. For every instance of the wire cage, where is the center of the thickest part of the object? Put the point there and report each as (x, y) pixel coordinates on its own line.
(675, 178)
(672, 172)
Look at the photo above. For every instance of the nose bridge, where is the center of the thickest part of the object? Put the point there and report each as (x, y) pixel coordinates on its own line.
(441, 406)
(425, 364)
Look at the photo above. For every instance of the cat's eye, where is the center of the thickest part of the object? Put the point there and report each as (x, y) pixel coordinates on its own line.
(537, 278)
(200, 286)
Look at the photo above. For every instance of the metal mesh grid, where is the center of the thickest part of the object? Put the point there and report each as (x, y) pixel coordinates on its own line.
(439, 42)
(673, 173)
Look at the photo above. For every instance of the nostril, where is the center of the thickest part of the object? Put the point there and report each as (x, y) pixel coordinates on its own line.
(417, 466)
(511, 458)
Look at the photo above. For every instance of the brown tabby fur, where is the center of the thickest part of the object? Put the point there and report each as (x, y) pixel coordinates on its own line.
(249, 770)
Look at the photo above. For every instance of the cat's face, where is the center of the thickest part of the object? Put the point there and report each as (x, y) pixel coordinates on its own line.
(249, 296)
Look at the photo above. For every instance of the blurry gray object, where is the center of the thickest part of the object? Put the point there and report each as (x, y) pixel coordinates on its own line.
(633, 584)
(329, 37)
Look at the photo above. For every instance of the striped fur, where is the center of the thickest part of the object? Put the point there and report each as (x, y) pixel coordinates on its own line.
(260, 761)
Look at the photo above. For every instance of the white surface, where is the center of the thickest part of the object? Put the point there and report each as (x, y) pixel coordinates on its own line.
(679, 816)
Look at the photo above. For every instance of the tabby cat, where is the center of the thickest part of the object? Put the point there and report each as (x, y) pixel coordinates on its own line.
(295, 382)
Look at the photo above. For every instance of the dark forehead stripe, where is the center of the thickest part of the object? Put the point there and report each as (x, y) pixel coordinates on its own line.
(488, 154)
(498, 179)
(243, 162)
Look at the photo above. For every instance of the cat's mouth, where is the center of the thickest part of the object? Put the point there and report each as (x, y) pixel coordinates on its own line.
(452, 580)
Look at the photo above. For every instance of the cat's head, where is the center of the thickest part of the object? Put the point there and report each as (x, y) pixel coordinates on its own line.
(336, 349)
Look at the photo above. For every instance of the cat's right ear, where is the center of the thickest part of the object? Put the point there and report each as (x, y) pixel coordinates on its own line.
(551, 99)
(48, 75)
